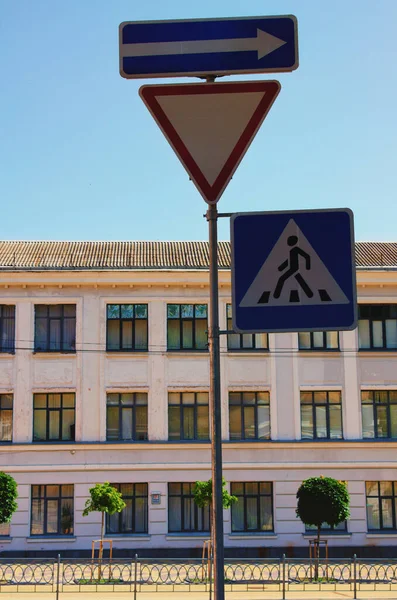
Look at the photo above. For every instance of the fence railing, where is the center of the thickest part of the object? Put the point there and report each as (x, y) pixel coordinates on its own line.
(284, 576)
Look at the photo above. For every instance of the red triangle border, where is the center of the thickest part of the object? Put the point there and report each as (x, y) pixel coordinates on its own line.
(210, 193)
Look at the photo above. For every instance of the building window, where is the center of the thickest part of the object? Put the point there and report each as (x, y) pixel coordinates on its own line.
(188, 416)
(55, 328)
(321, 415)
(377, 326)
(187, 327)
(244, 341)
(7, 328)
(341, 528)
(52, 510)
(134, 517)
(379, 413)
(183, 514)
(318, 340)
(249, 415)
(53, 417)
(126, 417)
(381, 505)
(127, 327)
(5, 418)
(253, 510)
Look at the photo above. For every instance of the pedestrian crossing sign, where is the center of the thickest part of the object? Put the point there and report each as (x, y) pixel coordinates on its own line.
(293, 271)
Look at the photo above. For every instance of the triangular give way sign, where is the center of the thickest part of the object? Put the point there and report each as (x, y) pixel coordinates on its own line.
(210, 125)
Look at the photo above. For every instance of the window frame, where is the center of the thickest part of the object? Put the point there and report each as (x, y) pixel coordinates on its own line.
(242, 336)
(126, 407)
(195, 406)
(63, 319)
(182, 320)
(384, 308)
(2, 400)
(10, 349)
(187, 497)
(375, 405)
(118, 516)
(327, 405)
(393, 499)
(46, 499)
(132, 320)
(49, 410)
(245, 497)
(324, 347)
(242, 437)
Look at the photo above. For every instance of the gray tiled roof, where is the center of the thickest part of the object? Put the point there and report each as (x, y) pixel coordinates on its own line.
(148, 255)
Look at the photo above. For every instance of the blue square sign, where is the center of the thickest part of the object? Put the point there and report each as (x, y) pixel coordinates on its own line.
(293, 271)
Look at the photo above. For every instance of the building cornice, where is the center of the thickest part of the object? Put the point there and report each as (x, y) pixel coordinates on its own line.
(145, 278)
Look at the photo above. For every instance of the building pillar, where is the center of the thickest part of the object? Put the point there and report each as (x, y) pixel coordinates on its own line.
(158, 381)
(351, 402)
(90, 404)
(23, 398)
(284, 390)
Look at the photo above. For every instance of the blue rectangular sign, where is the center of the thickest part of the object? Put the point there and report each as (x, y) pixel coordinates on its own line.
(205, 47)
(293, 271)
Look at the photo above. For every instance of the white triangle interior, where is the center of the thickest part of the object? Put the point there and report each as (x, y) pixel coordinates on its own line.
(318, 277)
(210, 125)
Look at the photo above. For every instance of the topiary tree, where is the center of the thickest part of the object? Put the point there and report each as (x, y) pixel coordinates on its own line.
(202, 494)
(8, 496)
(104, 499)
(322, 500)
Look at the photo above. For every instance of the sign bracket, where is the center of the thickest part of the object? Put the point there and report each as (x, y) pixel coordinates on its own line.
(221, 215)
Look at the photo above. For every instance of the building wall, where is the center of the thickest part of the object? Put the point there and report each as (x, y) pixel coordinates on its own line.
(92, 372)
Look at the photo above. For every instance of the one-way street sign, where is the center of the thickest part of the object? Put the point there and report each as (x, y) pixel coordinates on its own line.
(293, 271)
(205, 47)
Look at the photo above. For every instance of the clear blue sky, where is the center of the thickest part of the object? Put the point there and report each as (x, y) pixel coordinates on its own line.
(81, 158)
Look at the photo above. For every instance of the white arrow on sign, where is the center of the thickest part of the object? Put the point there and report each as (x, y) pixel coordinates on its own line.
(264, 43)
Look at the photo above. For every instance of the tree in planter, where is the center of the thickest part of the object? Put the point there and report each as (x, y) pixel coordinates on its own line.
(104, 499)
(202, 494)
(8, 496)
(322, 500)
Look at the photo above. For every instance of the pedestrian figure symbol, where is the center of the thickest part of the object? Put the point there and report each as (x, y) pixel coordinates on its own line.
(293, 274)
(293, 270)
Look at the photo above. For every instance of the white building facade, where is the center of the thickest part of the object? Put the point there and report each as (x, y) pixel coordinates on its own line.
(104, 376)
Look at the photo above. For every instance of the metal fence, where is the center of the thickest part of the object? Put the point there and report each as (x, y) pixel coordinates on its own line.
(283, 578)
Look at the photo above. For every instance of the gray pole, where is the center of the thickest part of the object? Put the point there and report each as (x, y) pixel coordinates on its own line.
(215, 407)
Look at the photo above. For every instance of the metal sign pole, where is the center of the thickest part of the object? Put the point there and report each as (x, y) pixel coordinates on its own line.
(215, 406)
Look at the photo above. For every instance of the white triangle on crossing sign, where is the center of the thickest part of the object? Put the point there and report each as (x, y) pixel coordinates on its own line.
(210, 125)
(293, 275)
